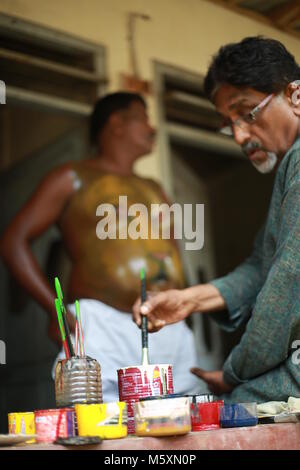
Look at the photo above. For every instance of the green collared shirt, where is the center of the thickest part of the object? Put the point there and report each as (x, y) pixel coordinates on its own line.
(265, 290)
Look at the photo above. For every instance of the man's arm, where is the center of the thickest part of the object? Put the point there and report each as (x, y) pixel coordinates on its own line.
(174, 305)
(275, 321)
(41, 211)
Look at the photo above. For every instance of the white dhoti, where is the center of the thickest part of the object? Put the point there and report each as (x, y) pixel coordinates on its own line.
(111, 337)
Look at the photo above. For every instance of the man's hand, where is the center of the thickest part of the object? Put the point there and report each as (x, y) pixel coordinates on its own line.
(214, 380)
(171, 306)
(54, 331)
(163, 308)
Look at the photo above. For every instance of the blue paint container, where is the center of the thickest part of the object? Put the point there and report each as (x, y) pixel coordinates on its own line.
(238, 415)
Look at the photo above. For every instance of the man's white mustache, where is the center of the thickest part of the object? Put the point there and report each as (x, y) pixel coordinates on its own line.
(250, 146)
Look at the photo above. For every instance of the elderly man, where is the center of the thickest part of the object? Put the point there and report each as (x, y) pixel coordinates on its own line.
(254, 85)
(105, 274)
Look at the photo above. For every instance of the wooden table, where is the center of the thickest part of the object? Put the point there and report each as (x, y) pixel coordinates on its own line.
(284, 436)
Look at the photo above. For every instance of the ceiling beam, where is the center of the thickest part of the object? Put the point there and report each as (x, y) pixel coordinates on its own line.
(242, 11)
(266, 19)
(233, 2)
(295, 22)
(284, 14)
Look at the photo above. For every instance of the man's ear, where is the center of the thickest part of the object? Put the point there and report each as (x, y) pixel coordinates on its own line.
(116, 123)
(293, 93)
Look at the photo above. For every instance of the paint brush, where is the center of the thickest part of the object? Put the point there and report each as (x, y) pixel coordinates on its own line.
(61, 327)
(80, 333)
(145, 358)
(76, 338)
(64, 317)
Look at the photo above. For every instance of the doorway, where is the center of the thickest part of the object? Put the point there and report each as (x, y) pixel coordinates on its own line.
(52, 80)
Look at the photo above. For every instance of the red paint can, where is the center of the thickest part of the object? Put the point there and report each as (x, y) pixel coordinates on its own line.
(52, 424)
(205, 416)
(137, 382)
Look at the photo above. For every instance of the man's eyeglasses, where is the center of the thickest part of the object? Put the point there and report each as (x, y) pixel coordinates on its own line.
(248, 118)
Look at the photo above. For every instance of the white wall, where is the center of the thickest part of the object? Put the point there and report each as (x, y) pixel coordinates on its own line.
(184, 33)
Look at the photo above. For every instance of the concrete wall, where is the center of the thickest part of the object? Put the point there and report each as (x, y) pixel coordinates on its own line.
(183, 33)
(24, 131)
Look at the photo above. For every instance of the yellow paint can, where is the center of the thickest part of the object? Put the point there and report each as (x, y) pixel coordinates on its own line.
(21, 423)
(107, 420)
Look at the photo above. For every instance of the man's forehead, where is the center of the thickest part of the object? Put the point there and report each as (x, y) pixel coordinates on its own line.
(137, 105)
(230, 97)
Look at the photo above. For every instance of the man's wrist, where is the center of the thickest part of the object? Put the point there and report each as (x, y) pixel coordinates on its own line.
(192, 298)
(204, 298)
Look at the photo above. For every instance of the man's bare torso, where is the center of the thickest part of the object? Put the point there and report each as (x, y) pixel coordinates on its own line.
(108, 270)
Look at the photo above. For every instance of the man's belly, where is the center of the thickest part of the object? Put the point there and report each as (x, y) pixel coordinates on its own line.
(118, 283)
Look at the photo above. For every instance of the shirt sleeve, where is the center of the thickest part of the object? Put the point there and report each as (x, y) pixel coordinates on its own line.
(240, 288)
(277, 384)
(275, 321)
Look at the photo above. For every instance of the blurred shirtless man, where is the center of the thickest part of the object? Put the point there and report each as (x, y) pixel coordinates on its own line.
(105, 273)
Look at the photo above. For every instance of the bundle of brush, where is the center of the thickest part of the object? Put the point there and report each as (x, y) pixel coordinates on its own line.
(77, 377)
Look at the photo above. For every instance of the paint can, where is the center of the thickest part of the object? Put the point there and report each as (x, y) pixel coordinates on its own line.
(205, 415)
(22, 423)
(239, 415)
(137, 382)
(78, 380)
(108, 421)
(52, 424)
(163, 416)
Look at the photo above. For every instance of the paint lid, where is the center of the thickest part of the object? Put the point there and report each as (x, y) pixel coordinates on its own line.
(53, 410)
(78, 440)
(148, 367)
(202, 398)
(161, 397)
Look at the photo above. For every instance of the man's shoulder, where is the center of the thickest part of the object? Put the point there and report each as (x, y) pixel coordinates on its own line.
(149, 181)
(292, 167)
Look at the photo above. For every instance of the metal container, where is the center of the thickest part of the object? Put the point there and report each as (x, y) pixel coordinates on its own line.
(78, 380)
(53, 424)
(108, 421)
(137, 382)
(22, 423)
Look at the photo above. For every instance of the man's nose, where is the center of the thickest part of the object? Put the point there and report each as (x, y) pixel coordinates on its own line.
(241, 135)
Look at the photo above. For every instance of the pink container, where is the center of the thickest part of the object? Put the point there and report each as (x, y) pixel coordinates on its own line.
(205, 416)
(52, 424)
(143, 381)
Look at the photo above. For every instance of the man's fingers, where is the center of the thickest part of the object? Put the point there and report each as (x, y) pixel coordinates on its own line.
(136, 312)
(146, 308)
(155, 325)
(150, 308)
(152, 303)
(202, 374)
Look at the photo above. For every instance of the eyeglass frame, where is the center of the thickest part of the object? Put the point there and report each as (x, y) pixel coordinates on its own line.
(248, 118)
